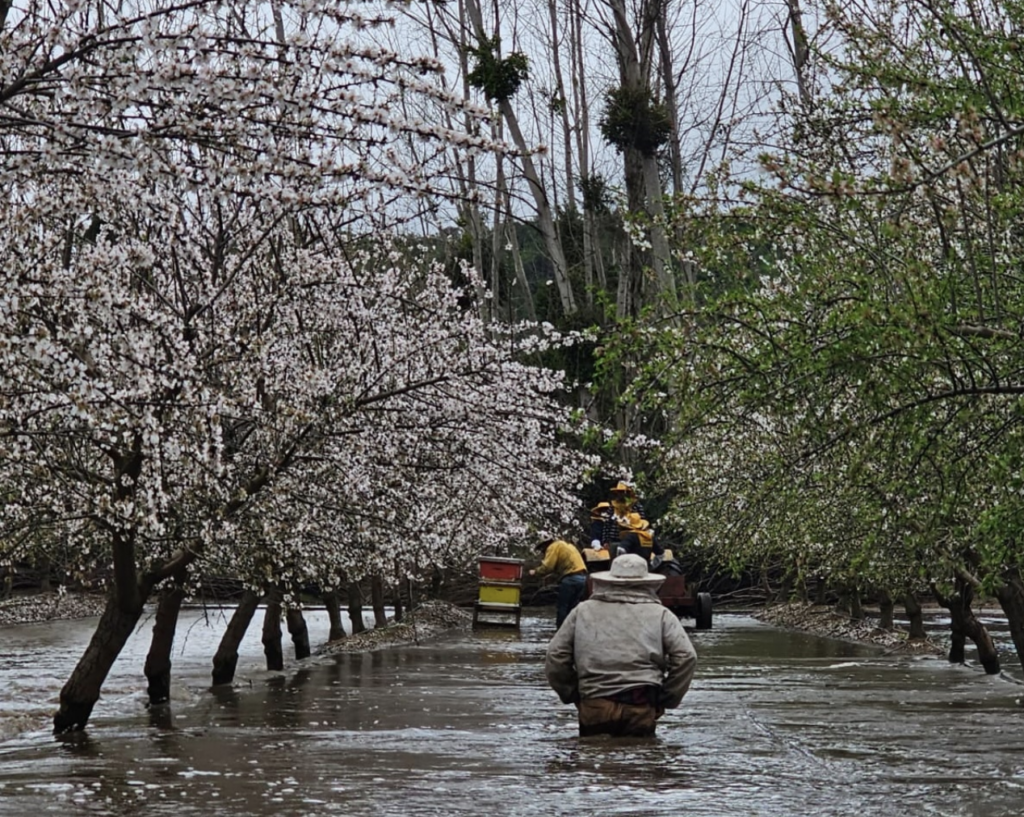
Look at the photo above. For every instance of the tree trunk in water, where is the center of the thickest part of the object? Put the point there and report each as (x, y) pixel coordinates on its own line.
(1011, 599)
(225, 661)
(82, 689)
(355, 607)
(957, 640)
(333, 606)
(45, 584)
(886, 611)
(916, 617)
(299, 632)
(856, 608)
(982, 638)
(398, 603)
(158, 661)
(272, 632)
(966, 622)
(963, 624)
(380, 617)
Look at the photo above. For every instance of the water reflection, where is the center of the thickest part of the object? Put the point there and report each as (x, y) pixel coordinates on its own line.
(776, 724)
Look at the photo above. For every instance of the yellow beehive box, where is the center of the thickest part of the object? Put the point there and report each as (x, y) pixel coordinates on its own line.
(499, 594)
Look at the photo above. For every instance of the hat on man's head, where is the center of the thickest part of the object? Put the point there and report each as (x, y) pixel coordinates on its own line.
(544, 539)
(628, 569)
(622, 486)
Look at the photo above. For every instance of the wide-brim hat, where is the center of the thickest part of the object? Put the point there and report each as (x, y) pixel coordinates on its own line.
(622, 486)
(628, 569)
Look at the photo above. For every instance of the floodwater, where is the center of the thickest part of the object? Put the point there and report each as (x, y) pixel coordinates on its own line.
(776, 724)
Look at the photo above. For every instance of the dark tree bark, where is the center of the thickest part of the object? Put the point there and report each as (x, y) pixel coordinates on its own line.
(886, 611)
(272, 632)
(988, 656)
(299, 632)
(225, 661)
(964, 624)
(957, 641)
(398, 603)
(82, 690)
(820, 591)
(856, 608)
(158, 661)
(130, 591)
(45, 569)
(1011, 599)
(380, 617)
(786, 593)
(916, 618)
(333, 606)
(355, 607)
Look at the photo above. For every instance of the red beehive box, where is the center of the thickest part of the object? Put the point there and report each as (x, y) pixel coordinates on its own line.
(495, 569)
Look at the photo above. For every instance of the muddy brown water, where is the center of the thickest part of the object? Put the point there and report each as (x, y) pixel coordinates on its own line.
(776, 724)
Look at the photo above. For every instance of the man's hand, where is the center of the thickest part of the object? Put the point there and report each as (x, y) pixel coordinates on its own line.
(533, 572)
(596, 544)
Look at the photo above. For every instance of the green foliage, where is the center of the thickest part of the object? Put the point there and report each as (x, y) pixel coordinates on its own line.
(594, 189)
(497, 78)
(632, 118)
(847, 401)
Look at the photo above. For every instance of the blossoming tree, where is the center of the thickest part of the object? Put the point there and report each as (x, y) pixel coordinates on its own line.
(207, 328)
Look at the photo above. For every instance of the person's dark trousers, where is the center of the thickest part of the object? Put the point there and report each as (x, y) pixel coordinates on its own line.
(603, 716)
(570, 592)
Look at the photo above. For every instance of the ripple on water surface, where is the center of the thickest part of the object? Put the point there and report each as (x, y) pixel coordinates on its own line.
(776, 724)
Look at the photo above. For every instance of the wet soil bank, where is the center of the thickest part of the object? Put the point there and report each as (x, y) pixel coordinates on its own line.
(27, 608)
(428, 621)
(825, 621)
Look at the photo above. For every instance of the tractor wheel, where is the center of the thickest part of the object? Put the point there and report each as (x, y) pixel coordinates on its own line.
(702, 620)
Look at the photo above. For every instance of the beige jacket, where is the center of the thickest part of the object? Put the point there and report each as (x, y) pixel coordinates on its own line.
(621, 637)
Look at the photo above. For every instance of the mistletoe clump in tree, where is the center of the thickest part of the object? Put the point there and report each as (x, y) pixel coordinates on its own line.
(204, 331)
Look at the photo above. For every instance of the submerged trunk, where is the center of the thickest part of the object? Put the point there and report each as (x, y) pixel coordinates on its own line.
(299, 632)
(886, 611)
(380, 617)
(398, 603)
(1011, 599)
(916, 617)
(988, 656)
(820, 591)
(225, 661)
(957, 641)
(856, 608)
(82, 690)
(333, 606)
(272, 633)
(964, 624)
(158, 661)
(355, 608)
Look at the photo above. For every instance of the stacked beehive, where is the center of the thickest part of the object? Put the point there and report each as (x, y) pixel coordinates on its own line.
(500, 591)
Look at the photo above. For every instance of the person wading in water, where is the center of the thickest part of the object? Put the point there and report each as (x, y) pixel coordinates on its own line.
(621, 657)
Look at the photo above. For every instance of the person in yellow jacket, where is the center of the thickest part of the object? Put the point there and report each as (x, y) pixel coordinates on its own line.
(563, 559)
(611, 520)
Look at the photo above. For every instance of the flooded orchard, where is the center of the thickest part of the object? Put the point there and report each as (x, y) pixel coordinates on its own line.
(777, 723)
